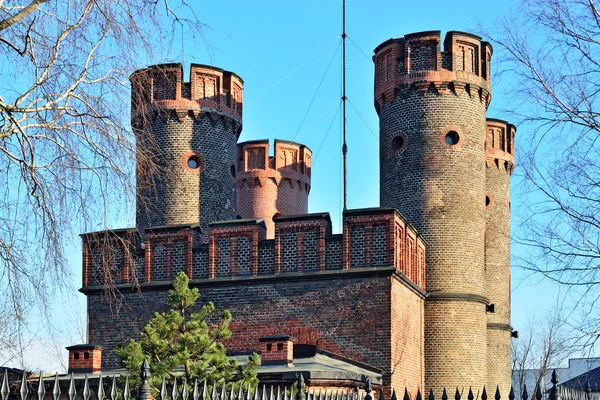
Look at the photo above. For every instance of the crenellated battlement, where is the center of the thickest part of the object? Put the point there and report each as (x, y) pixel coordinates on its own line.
(303, 244)
(417, 61)
(160, 88)
(270, 186)
(500, 144)
(291, 160)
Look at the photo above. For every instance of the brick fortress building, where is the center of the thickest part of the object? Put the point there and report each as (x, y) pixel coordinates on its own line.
(418, 289)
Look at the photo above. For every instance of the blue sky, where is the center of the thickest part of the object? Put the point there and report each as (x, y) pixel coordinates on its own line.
(285, 51)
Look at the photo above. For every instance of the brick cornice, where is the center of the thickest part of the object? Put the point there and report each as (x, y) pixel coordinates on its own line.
(282, 277)
(449, 296)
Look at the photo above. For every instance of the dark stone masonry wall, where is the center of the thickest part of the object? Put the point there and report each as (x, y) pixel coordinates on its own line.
(346, 313)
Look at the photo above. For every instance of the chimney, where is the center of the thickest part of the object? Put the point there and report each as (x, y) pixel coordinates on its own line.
(277, 350)
(85, 358)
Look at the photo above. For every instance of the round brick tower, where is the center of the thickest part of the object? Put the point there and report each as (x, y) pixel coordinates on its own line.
(269, 186)
(432, 106)
(499, 158)
(186, 144)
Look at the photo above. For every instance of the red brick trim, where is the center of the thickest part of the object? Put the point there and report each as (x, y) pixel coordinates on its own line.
(148, 262)
(187, 155)
(442, 137)
(189, 256)
(491, 203)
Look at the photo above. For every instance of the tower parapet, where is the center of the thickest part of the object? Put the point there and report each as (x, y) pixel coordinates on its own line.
(186, 144)
(416, 61)
(271, 186)
(500, 144)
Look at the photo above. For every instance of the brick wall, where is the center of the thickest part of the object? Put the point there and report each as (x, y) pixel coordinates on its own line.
(348, 313)
(303, 283)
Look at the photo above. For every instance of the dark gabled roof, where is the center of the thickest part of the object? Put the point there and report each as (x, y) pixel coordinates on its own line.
(580, 382)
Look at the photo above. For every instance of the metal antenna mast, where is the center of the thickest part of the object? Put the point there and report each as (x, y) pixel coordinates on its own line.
(344, 98)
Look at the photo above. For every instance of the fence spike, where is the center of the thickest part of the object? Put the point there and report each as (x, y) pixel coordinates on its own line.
(470, 396)
(144, 392)
(4, 390)
(368, 389)
(204, 391)
(184, 390)
(406, 396)
(419, 397)
(285, 393)
(174, 392)
(249, 392)
(41, 391)
(56, 388)
(497, 395)
(163, 389)
(126, 391)
(24, 391)
(554, 393)
(241, 391)
(301, 395)
(457, 394)
(86, 389)
(444, 394)
(538, 393)
(588, 391)
(72, 392)
(264, 393)
(222, 397)
(278, 392)
(213, 394)
(256, 389)
(524, 395)
(431, 396)
(195, 392)
(511, 394)
(231, 392)
(484, 395)
(100, 391)
(271, 393)
(113, 389)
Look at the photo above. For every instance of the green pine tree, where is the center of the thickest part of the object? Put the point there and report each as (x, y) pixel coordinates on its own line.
(182, 343)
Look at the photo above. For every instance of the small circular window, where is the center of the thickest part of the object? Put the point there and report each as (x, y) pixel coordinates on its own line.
(193, 162)
(452, 138)
(397, 143)
(488, 200)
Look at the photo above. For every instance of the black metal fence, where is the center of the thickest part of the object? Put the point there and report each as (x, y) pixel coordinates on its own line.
(114, 389)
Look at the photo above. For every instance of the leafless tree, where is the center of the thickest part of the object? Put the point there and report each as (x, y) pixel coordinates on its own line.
(549, 52)
(66, 148)
(543, 345)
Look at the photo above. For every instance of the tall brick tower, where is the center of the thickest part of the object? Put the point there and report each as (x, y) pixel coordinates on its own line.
(499, 159)
(432, 107)
(272, 186)
(186, 137)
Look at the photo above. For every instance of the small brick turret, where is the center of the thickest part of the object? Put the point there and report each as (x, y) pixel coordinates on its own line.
(432, 104)
(500, 164)
(270, 186)
(186, 137)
